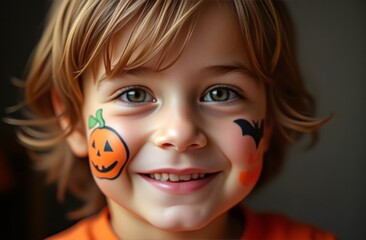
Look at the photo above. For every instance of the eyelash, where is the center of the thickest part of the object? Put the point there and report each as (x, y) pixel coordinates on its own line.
(232, 90)
(123, 97)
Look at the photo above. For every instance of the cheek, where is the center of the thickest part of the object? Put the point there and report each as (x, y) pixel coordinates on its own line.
(247, 161)
(241, 151)
(133, 133)
(108, 153)
(245, 158)
(251, 175)
(137, 138)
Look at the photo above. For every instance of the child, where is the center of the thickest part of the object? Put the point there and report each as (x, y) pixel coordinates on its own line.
(175, 107)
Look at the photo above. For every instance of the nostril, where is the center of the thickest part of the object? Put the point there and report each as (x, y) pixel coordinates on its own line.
(167, 145)
(193, 146)
(182, 148)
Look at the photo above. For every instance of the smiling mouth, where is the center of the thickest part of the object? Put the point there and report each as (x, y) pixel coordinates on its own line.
(180, 183)
(170, 177)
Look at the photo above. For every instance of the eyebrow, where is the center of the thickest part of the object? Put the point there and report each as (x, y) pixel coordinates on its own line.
(219, 69)
(227, 68)
(135, 71)
(222, 69)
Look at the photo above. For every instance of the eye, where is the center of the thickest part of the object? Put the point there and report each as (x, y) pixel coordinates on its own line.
(107, 147)
(220, 94)
(136, 95)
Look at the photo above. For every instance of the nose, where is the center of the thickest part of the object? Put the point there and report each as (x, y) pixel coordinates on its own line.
(178, 130)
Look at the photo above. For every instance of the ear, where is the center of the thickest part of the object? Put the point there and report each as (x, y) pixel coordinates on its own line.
(76, 140)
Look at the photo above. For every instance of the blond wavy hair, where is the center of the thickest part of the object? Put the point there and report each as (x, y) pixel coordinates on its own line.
(80, 31)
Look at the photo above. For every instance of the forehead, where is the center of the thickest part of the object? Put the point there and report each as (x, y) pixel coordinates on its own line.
(215, 39)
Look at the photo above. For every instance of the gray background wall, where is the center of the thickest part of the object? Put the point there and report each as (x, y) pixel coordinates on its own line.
(324, 186)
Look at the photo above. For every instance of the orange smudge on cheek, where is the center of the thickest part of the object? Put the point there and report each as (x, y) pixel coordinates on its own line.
(250, 159)
(250, 176)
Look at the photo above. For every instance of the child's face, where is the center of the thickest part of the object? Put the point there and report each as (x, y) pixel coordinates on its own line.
(179, 147)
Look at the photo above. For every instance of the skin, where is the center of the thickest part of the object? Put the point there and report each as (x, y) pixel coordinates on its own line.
(181, 125)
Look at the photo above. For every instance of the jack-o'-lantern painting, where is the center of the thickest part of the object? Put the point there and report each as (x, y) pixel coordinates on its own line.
(108, 153)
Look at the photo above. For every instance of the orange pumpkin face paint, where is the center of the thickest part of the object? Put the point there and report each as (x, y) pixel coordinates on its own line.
(108, 153)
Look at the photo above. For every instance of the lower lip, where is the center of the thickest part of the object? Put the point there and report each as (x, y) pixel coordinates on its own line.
(180, 187)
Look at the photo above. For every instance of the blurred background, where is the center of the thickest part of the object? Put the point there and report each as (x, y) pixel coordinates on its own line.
(324, 186)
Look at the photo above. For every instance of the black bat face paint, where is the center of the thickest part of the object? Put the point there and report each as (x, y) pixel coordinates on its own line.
(255, 131)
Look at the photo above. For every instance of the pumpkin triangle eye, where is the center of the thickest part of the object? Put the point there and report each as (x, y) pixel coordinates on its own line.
(93, 144)
(107, 147)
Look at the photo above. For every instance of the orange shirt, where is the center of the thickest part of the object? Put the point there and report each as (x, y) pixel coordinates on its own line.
(278, 227)
(93, 228)
(257, 227)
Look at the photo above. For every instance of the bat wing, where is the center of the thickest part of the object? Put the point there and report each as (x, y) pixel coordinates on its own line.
(246, 127)
(256, 132)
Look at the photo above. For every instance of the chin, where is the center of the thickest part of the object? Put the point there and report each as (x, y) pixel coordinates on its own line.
(181, 221)
(179, 226)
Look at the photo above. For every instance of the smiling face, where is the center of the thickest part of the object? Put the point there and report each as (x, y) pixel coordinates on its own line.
(189, 162)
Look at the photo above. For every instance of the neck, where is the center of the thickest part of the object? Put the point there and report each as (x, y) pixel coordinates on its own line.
(126, 225)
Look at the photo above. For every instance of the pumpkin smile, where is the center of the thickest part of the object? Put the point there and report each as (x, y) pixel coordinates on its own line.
(105, 169)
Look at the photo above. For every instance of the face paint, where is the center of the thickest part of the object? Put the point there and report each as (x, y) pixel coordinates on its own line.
(108, 153)
(256, 131)
(250, 176)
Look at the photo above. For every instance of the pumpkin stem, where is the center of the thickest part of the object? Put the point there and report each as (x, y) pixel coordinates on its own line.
(98, 119)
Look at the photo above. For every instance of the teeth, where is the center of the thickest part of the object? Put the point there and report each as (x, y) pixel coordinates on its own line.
(185, 177)
(175, 177)
(164, 177)
(195, 175)
(157, 176)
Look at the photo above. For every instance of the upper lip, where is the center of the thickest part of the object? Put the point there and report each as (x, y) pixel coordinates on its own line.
(180, 171)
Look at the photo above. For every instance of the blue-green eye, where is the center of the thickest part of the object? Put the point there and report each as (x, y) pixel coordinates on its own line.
(136, 95)
(219, 94)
